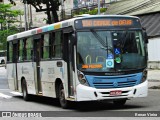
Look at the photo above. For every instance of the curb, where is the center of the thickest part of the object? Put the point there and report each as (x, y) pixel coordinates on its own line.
(153, 80)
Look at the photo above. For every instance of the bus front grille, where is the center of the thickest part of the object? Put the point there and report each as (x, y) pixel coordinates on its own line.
(107, 82)
(114, 84)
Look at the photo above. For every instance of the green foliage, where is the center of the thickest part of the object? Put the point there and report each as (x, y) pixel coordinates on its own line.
(7, 15)
(8, 18)
(3, 37)
(102, 10)
(47, 6)
(87, 11)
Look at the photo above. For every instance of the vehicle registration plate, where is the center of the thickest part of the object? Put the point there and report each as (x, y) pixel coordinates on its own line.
(115, 92)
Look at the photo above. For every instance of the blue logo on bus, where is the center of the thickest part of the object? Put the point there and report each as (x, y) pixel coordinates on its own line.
(115, 84)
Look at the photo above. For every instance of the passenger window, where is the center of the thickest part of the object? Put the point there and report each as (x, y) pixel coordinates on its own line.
(10, 52)
(21, 45)
(58, 44)
(46, 46)
(52, 45)
(28, 48)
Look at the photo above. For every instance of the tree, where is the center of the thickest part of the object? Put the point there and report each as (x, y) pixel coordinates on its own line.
(51, 8)
(8, 18)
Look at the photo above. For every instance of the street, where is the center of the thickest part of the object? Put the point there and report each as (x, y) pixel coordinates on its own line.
(13, 101)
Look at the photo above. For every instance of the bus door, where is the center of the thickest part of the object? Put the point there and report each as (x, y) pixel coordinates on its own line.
(37, 51)
(68, 56)
(15, 59)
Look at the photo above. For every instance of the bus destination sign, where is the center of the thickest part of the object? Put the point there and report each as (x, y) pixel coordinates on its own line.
(107, 22)
(98, 23)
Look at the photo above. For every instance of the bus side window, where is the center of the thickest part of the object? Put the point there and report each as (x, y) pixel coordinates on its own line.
(24, 50)
(28, 47)
(10, 52)
(45, 46)
(20, 52)
(52, 37)
(58, 44)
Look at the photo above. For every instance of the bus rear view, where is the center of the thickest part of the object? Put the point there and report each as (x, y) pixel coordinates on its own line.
(111, 59)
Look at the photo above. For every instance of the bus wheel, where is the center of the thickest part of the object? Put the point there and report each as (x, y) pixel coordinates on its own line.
(119, 102)
(63, 102)
(24, 90)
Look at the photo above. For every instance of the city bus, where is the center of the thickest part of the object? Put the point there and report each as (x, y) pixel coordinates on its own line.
(87, 58)
(2, 56)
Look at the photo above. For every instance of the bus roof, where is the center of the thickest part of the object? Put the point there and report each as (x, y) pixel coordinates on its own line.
(58, 25)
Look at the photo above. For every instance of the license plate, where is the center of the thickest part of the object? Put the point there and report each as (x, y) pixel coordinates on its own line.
(115, 93)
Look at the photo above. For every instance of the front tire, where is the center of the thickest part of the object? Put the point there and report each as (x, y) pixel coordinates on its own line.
(24, 90)
(63, 102)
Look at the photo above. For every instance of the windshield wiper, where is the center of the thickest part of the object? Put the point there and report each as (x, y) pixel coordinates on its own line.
(104, 46)
(98, 37)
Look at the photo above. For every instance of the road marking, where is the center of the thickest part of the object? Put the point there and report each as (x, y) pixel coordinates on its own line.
(5, 96)
(5, 89)
(16, 93)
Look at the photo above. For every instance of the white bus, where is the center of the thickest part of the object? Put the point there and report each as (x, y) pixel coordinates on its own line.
(81, 59)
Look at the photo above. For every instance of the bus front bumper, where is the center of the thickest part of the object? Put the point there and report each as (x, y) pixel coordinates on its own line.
(85, 93)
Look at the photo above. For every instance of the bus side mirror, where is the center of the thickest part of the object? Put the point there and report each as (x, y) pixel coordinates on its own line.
(145, 36)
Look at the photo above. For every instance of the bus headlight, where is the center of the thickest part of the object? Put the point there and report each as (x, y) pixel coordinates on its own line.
(144, 76)
(82, 78)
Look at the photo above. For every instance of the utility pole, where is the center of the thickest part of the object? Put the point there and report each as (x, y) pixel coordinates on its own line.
(30, 20)
(62, 9)
(25, 15)
(98, 7)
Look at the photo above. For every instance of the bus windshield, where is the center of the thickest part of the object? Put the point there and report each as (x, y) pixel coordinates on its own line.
(106, 51)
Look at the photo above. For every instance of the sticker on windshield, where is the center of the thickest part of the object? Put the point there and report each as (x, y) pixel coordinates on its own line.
(110, 56)
(92, 66)
(109, 63)
(118, 60)
(117, 51)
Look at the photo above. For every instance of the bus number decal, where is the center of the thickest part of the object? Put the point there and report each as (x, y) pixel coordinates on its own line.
(92, 66)
(50, 70)
(25, 70)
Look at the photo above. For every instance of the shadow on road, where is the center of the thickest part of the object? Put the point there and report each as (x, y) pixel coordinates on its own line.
(81, 106)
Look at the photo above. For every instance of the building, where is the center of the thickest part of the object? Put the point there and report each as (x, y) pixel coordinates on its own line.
(149, 13)
(35, 19)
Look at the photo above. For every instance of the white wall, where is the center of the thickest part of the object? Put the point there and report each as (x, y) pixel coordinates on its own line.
(154, 49)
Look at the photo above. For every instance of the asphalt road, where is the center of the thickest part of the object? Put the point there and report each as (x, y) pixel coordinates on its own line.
(13, 101)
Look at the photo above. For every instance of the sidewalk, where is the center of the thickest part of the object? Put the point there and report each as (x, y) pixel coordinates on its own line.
(153, 78)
